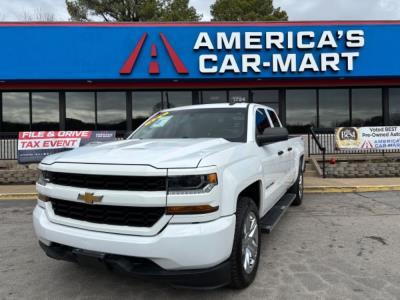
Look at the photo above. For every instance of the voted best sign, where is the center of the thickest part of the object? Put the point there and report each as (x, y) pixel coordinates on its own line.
(33, 146)
(366, 138)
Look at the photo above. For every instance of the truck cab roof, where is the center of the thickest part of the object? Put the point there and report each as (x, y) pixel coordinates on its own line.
(216, 105)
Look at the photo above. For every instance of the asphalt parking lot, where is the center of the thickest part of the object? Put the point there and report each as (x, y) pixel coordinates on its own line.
(335, 246)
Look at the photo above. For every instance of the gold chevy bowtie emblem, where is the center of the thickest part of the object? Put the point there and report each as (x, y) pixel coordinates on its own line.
(89, 198)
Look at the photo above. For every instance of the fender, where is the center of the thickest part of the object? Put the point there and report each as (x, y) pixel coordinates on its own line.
(238, 167)
(235, 178)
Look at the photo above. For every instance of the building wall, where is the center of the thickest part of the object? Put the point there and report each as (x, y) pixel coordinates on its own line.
(74, 76)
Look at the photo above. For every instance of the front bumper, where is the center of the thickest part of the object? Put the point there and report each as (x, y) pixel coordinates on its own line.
(176, 247)
(211, 277)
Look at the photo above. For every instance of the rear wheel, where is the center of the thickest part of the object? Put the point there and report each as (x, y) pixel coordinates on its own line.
(298, 187)
(246, 245)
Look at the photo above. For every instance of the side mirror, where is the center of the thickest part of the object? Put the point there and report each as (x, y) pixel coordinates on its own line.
(272, 135)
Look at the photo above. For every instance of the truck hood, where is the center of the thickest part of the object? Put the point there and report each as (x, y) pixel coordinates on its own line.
(159, 153)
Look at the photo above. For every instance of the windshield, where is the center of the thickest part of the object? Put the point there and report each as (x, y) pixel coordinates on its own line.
(229, 124)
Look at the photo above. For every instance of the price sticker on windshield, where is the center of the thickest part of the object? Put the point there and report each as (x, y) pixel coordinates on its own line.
(156, 117)
(161, 122)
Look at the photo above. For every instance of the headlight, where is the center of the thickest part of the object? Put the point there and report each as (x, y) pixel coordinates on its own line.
(192, 184)
(44, 177)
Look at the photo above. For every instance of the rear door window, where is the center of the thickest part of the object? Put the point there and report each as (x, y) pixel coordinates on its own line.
(274, 118)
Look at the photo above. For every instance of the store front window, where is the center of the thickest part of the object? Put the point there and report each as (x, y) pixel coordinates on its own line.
(111, 111)
(80, 110)
(367, 107)
(394, 106)
(15, 112)
(174, 99)
(239, 95)
(267, 97)
(334, 108)
(144, 104)
(213, 96)
(301, 110)
(45, 111)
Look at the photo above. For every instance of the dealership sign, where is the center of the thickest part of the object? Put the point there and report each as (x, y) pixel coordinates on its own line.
(33, 146)
(198, 51)
(366, 138)
(255, 48)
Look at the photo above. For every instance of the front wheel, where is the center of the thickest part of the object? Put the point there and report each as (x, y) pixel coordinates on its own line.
(246, 245)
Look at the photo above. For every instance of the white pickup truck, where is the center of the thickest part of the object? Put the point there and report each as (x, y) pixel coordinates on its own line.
(184, 198)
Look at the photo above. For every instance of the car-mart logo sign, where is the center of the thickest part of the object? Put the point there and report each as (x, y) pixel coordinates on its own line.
(261, 51)
(154, 68)
(256, 52)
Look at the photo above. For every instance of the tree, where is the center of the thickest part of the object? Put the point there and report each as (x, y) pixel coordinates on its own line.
(178, 10)
(131, 10)
(247, 10)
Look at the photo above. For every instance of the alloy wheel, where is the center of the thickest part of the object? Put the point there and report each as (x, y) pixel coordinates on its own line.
(250, 242)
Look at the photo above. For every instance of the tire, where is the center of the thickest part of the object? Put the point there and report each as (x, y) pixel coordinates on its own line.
(298, 187)
(245, 250)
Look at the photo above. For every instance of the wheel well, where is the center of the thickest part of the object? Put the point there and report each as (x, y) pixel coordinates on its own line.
(253, 191)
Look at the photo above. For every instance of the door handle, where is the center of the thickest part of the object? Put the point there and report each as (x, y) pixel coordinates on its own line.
(290, 149)
(280, 152)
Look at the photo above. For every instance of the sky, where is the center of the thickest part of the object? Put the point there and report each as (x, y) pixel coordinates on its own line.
(18, 10)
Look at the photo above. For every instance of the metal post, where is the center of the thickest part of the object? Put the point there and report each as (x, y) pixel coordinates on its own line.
(128, 113)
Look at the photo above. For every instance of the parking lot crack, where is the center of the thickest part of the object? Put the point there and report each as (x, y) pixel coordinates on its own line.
(377, 238)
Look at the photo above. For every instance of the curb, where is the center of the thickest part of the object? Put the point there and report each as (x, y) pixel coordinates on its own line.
(18, 196)
(351, 189)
